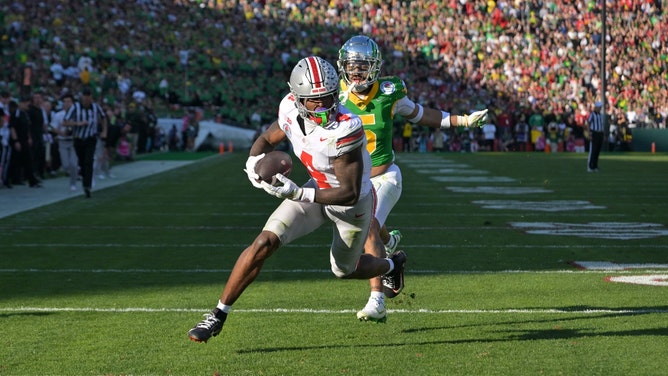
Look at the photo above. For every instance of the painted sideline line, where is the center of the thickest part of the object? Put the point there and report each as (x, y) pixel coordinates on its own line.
(326, 311)
(326, 271)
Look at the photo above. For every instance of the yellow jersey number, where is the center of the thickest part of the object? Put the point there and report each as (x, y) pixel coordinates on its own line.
(369, 119)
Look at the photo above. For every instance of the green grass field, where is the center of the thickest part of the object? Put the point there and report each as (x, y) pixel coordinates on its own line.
(111, 285)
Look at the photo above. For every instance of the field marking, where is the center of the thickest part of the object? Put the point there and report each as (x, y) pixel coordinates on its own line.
(454, 171)
(545, 206)
(648, 280)
(403, 212)
(608, 266)
(601, 230)
(255, 228)
(342, 311)
(499, 190)
(472, 179)
(316, 271)
(406, 246)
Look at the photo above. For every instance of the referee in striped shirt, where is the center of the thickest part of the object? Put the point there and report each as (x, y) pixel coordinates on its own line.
(88, 121)
(595, 124)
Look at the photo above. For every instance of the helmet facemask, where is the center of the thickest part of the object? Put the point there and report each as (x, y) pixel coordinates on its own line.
(314, 79)
(359, 63)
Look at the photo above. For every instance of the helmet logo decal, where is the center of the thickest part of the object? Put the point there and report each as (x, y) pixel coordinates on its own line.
(387, 87)
(314, 67)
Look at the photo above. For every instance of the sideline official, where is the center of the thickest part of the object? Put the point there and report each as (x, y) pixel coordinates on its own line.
(595, 125)
(88, 121)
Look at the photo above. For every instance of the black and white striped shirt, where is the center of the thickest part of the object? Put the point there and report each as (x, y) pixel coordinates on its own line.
(92, 115)
(595, 121)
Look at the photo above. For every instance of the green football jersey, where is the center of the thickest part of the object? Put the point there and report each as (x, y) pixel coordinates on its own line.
(377, 113)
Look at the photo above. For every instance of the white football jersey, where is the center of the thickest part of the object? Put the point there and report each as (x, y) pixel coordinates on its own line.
(318, 148)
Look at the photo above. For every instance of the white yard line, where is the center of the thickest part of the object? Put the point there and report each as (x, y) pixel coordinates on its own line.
(342, 311)
(327, 271)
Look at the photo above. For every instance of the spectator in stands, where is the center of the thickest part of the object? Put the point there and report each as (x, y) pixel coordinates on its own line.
(407, 137)
(506, 142)
(521, 134)
(455, 144)
(489, 137)
(538, 55)
(438, 139)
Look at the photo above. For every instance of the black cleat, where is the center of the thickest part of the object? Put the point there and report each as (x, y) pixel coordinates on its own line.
(209, 327)
(393, 282)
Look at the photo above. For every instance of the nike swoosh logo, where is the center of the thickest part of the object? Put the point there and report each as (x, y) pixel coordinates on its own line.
(323, 139)
(358, 215)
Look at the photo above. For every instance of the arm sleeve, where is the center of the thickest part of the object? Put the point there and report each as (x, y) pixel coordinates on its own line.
(404, 107)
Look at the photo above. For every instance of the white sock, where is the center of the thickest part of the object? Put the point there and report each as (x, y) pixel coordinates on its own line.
(391, 243)
(223, 307)
(377, 295)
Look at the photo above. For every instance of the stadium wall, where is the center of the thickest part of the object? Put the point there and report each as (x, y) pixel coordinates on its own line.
(644, 137)
(211, 134)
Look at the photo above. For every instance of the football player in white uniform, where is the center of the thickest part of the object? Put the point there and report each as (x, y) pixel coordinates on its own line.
(330, 143)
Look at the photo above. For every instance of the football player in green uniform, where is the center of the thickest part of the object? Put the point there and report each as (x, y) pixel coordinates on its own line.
(377, 100)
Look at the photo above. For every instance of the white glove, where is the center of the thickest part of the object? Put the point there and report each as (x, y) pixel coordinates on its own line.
(289, 190)
(250, 170)
(476, 119)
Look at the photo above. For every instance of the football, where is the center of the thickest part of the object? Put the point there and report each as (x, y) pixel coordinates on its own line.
(273, 163)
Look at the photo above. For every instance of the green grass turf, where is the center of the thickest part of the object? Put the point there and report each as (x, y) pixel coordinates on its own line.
(111, 285)
(174, 156)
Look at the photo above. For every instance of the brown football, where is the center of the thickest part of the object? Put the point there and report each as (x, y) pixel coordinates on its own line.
(273, 163)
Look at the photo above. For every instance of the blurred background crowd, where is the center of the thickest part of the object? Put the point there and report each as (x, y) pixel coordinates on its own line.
(521, 59)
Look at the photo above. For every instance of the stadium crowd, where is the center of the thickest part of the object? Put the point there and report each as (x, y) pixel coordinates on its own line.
(533, 60)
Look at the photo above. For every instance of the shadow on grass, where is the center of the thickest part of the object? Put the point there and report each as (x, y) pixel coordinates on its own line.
(553, 333)
(578, 310)
(519, 335)
(36, 314)
(530, 335)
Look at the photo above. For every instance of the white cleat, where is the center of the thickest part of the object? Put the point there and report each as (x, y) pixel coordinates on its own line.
(373, 311)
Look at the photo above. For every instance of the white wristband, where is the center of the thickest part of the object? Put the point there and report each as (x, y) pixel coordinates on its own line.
(445, 121)
(308, 195)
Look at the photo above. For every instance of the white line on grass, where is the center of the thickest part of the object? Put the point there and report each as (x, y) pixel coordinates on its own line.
(319, 271)
(342, 311)
(244, 245)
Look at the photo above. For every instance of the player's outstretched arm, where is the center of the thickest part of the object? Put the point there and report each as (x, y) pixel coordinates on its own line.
(440, 119)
